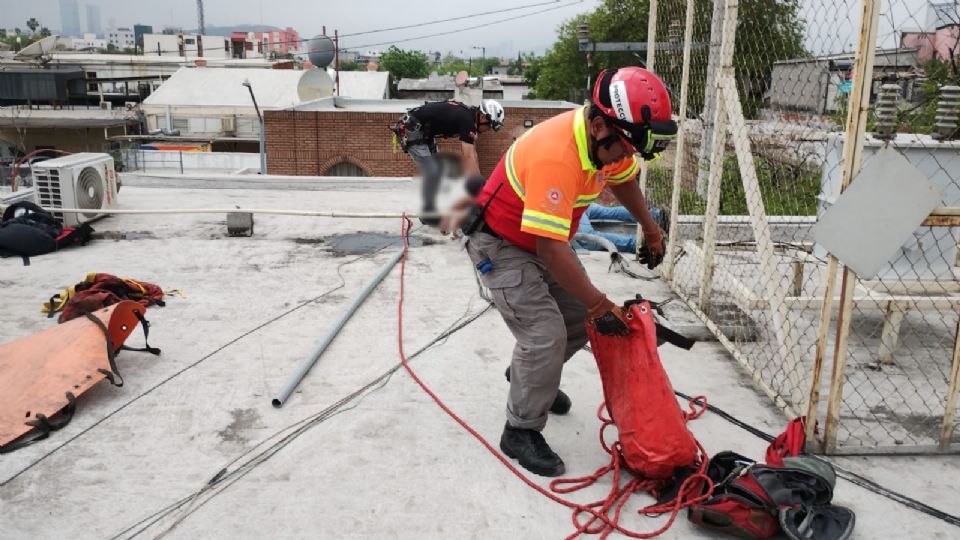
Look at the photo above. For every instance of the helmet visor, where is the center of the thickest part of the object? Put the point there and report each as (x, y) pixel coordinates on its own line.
(647, 139)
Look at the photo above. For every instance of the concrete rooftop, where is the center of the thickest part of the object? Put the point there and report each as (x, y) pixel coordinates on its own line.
(387, 464)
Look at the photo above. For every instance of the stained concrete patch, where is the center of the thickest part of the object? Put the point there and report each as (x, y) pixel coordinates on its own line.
(243, 419)
(128, 235)
(362, 243)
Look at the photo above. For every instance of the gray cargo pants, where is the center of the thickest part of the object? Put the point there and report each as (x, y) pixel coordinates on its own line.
(546, 320)
(430, 170)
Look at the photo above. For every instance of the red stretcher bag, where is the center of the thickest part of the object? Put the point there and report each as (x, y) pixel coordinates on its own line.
(654, 439)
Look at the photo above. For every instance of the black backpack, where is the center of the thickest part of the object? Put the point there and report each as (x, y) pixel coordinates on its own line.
(26, 230)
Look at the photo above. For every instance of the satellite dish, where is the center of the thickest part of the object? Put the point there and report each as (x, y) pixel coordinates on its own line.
(461, 78)
(320, 50)
(314, 84)
(43, 47)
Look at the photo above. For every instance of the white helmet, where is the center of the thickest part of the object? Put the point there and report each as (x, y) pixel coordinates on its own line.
(494, 113)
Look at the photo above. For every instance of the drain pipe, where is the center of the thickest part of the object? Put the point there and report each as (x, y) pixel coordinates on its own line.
(331, 334)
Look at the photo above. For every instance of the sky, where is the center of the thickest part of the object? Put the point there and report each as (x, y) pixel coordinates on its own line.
(832, 25)
(534, 33)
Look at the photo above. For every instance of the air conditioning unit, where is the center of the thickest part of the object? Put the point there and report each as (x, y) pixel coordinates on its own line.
(228, 125)
(85, 180)
(106, 105)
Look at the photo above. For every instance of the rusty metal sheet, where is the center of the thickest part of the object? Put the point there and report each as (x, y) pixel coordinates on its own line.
(37, 371)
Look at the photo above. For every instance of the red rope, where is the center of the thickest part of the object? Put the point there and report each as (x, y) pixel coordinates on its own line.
(600, 521)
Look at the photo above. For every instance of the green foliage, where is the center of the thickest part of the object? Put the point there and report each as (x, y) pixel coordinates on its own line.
(768, 30)
(45, 32)
(33, 24)
(404, 64)
(352, 66)
(24, 41)
(786, 189)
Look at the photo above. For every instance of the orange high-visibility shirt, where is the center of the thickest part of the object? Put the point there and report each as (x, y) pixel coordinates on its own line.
(549, 181)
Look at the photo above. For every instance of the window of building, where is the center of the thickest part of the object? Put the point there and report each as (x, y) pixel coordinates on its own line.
(345, 168)
(190, 41)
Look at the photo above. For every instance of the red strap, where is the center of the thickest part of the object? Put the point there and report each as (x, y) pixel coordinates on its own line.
(788, 443)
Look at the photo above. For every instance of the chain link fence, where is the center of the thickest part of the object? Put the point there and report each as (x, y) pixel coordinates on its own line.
(763, 87)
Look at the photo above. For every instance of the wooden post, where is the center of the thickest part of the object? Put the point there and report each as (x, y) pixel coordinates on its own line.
(950, 407)
(859, 106)
(710, 93)
(716, 156)
(892, 320)
(797, 288)
(770, 286)
(668, 260)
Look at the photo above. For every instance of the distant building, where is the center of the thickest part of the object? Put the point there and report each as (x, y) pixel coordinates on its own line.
(139, 30)
(265, 44)
(88, 42)
(813, 85)
(440, 87)
(940, 39)
(69, 18)
(188, 45)
(93, 19)
(121, 38)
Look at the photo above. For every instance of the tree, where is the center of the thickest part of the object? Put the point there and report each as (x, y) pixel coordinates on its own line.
(403, 64)
(351, 65)
(767, 31)
(45, 32)
(33, 24)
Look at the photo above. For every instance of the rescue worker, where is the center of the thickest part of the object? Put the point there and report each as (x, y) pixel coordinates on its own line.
(519, 242)
(443, 119)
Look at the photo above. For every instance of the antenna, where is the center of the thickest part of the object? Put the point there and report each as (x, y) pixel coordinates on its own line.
(202, 28)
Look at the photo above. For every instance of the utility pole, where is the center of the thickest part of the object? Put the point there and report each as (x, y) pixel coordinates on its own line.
(202, 28)
(263, 154)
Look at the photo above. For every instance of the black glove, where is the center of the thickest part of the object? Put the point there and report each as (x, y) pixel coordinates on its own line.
(652, 260)
(607, 317)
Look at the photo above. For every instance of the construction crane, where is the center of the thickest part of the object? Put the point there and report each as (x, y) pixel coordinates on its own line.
(202, 29)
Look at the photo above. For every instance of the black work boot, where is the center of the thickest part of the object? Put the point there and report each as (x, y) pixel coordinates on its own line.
(529, 448)
(561, 403)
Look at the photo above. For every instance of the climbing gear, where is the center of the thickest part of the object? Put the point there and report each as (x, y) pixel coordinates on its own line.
(636, 103)
(754, 500)
(531, 450)
(42, 374)
(99, 290)
(474, 220)
(494, 112)
(654, 439)
(27, 230)
(788, 443)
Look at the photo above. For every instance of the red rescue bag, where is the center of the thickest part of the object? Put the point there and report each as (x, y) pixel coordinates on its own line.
(654, 439)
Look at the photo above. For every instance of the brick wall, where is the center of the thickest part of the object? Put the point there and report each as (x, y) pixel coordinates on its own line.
(308, 143)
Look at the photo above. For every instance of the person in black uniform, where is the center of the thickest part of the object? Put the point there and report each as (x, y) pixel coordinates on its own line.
(442, 119)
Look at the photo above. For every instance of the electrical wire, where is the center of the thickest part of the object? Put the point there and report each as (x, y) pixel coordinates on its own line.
(190, 502)
(415, 25)
(464, 29)
(449, 20)
(194, 364)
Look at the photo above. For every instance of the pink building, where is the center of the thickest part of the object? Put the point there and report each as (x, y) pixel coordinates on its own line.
(941, 43)
(263, 44)
(942, 34)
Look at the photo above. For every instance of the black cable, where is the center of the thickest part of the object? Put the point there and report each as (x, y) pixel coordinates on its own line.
(415, 25)
(448, 20)
(847, 475)
(299, 428)
(467, 27)
(190, 366)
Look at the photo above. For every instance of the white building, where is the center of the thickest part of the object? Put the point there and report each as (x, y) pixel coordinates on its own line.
(121, 38)
(212, 102)
(89, 41)
(189, 45)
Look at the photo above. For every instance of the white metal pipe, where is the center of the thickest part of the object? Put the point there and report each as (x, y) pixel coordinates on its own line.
(331, 334)
(283, 212)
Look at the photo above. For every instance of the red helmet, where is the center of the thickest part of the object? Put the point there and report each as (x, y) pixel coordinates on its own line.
(637, 104)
